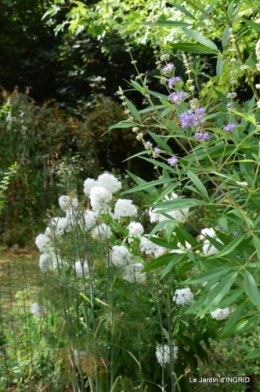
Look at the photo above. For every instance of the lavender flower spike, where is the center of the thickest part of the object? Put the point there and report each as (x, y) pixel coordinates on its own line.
(176, 97)
(173, 80)
(229, 127)
(168, 68)
(172, 161)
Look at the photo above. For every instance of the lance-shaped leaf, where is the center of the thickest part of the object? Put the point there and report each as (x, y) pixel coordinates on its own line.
(198, 184)
(193, 48)
(218, 292)
(208, 275)
(133, 110)
(254, 354)
(251, 288)
(169, 259)
(232, 320)
(200, 38)
(230, 247)
(161, 143)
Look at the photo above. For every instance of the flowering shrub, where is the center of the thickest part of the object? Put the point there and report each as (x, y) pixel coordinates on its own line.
(206, 150)
(115, 313)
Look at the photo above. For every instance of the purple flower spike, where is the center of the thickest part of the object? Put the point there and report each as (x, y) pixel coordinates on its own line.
(172, 161)
(168, 68)
(229, 127)
(173, 80)
(156, 152)
(177, 97)
(148, 145)
(198, 135)
(206, 136)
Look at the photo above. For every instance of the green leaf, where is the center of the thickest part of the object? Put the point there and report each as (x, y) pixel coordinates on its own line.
(231, 299)
(162, 260)
(192, 48)
(256, 242)
(121, 124)
(166, 23)
(251, 288)
(254, 354)
(175, 260)
(200, 38)
(148, 185)
(246, 324)
(246, 116)
(183, 10)
(230, 247)
(198, 184)
(133, 110)
(218, 292)
(232, 320)
(178, 204)
(161, 143)
(255, 26)
(219, 66)
(225, 37)
(137, 86)
(208, 275)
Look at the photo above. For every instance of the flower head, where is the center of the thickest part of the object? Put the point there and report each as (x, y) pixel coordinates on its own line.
(172, 161)
(148, 145)
(38, 310)
(66, 202)
(229, 127)
(156, 152)
(88, 184)
(135, 229)
(176, 97)
(206, 136)
(168, 68)
(172, 81)
(220, 314)
(101, 232)
(57, 226)
(132, 273)
(110, 182)
(124, 207)
(43, 242)
(192, 118)
(80, 267)
(183, 297)
(99, 197)
(163, 354)
(120, 256)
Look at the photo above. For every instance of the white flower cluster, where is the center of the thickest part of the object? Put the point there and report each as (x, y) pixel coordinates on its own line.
(183, 297)
(105, 180)
(207, 248)
(43, 242)
(38, 310)
(178, 215)
(101, 232)
(67, 203)
(132, 273)
(135, 231)
(81, 268)
(120, 257)
(124, 207)
(148, 247)
(163, 354)
(57, 227)
(220, 314)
